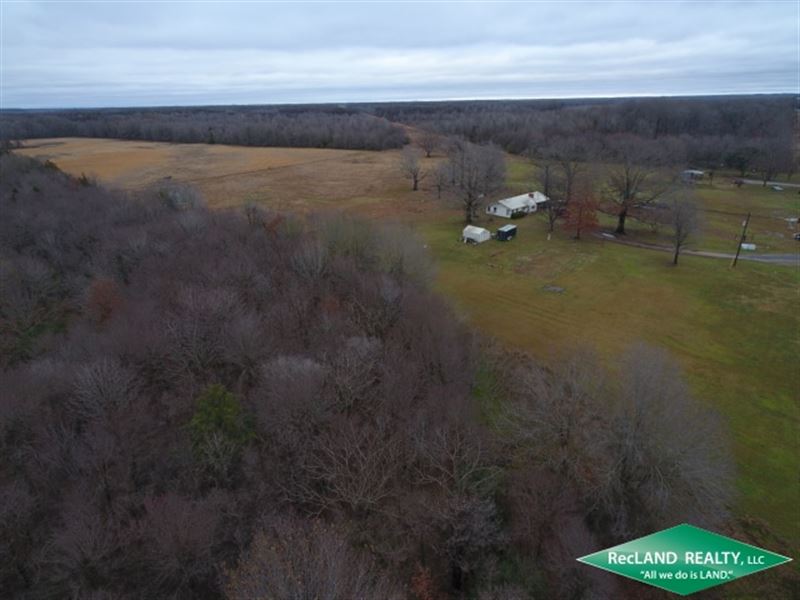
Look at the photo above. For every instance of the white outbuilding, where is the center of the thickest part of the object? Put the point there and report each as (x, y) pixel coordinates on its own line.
(690, 175)
(517, 206)
(475, 235)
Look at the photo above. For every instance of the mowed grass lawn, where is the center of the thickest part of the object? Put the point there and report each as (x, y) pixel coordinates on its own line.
(723, 208)
(735, 332)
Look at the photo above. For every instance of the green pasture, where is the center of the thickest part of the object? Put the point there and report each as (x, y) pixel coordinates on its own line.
(722, 209)
(735, 332)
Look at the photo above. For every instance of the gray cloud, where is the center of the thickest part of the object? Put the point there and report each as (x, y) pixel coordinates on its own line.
(128, 54)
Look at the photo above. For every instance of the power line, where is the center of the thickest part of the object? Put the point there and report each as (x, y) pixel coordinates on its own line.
(741, 240)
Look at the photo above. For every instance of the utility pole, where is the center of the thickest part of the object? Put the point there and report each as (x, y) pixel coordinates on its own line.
(741, 240)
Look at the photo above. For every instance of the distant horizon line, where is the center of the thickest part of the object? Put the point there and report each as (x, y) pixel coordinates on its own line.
(411, 101)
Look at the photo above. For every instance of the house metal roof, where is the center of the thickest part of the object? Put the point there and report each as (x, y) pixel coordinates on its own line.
(523, 200)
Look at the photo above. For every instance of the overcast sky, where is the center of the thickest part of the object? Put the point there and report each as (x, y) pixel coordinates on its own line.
(83, 54)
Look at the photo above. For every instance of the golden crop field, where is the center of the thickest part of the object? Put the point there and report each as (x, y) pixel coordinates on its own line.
(284, 178)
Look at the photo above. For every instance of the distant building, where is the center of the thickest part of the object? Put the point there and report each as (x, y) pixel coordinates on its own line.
(692, 175)
(475, 235)
(517, 206)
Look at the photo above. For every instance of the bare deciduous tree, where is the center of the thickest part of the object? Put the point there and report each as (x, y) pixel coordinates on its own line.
(550, 418)
(17, 506)
(442, 177)
(100, 388)
(429, 142)
(178, 535)
(546, 173)
(640, 451)
(684, 218)
(411, 168)
(477, 172)
(347, 467)
(668, 455)
(571, 155)
(291, 558)
(455, 460)
(633, 180)
(470, 530)
(82, 554)
(504, 592)
(773, 156)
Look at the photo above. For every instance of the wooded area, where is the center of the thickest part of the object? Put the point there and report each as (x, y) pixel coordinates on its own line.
(746, 133)
(703, 131)
(295, 126)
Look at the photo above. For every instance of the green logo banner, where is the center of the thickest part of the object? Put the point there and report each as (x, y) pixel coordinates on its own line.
(684, 559)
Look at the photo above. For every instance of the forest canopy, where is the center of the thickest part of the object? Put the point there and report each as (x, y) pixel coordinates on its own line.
(738, 132)
(305, 127)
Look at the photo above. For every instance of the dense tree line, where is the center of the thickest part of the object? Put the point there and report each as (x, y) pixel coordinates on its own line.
(200, 404)
(312, 127)
(746, 133)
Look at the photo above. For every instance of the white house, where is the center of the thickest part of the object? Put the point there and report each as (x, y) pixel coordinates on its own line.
(475, 235)
(517, 206)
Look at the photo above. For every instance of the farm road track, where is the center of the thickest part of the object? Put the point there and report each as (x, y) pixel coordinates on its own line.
(789, 260)
(783, 184)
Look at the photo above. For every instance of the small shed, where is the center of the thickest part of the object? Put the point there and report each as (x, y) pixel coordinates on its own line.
(692, 175)
(517, 206)
(475, 235)
(506, 233)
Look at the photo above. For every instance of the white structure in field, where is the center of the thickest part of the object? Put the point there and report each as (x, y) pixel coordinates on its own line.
(517, 206)
(475, 235)
(692, 175)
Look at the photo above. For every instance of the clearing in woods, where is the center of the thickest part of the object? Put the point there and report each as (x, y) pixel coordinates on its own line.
(298, 179)
(734, 331)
